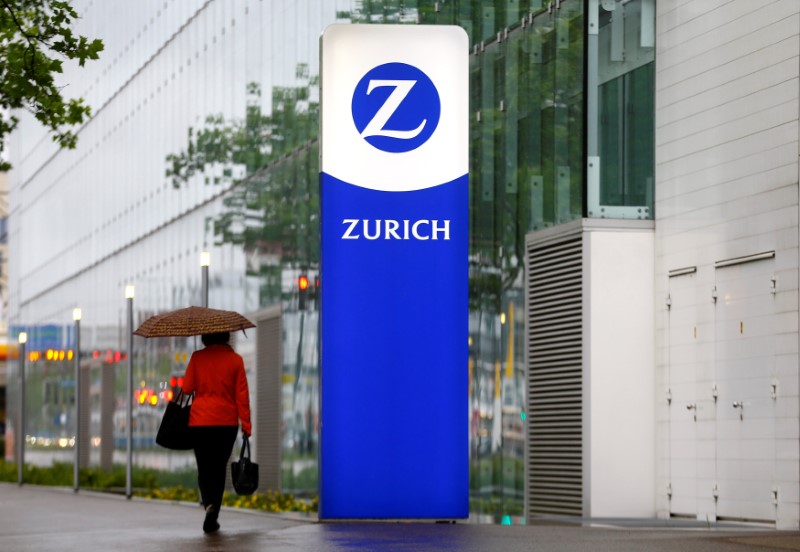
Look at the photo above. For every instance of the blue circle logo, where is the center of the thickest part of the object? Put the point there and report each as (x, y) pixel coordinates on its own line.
(396, 107)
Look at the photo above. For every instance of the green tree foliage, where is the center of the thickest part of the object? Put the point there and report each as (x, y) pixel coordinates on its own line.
(35, 39)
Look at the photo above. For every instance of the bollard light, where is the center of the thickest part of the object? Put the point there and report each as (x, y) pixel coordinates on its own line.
(79, 407)
(205, 260)
(23, 338)
(129, 409)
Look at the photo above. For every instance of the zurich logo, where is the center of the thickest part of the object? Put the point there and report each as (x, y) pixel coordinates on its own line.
(395, 107)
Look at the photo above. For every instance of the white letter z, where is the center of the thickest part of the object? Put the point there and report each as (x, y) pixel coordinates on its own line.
(375, 126)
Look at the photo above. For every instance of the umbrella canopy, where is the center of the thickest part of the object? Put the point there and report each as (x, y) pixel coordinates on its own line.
(193, 321)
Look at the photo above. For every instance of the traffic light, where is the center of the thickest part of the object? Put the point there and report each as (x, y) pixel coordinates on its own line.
(302, 290)
(175, 384)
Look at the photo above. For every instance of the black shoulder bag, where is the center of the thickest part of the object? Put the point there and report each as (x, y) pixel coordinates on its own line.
(244, 473)
(173, 433)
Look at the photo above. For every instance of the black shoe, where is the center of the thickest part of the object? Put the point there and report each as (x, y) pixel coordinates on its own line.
(210, 523)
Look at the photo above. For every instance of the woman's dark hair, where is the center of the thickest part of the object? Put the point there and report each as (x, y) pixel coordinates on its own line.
(215, 338)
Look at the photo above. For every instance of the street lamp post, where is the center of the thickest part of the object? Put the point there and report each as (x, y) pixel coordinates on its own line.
(76, 316)
(129, 420)
(205, 260)
(23, 338)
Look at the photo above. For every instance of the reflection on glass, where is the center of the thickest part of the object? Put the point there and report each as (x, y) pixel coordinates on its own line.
(625, 96)
(626, 147)
(208, 142)
(526, 125)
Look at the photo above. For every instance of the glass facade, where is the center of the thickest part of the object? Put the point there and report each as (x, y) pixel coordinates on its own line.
(620, 108)
(526, 174)
(204, 138)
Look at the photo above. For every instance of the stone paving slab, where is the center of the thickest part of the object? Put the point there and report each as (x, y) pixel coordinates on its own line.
(43, 519)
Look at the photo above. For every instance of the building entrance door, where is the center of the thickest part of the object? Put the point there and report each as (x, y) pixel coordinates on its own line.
(731, 393)
(692, 414)
(747, 442)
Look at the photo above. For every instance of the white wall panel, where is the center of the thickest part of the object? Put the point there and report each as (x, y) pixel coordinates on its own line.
(619, 284)
(685, 106)
(744, 172)
(717, 43)
(713, 23)
(721, 78)
(727, 186)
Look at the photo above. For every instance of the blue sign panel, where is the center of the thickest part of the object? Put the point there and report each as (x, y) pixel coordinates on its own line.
(394, 315)
(45, 336)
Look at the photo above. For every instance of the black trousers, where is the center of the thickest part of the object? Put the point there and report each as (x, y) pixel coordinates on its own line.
(212, 450)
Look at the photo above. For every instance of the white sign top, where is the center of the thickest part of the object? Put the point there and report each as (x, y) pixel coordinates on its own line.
(395, 118)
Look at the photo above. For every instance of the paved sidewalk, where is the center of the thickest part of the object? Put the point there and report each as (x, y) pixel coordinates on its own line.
(45, 519)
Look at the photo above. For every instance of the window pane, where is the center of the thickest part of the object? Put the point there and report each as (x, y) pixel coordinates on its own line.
(625, 109)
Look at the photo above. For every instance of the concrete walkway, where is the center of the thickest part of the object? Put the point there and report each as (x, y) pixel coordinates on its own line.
(55, 519)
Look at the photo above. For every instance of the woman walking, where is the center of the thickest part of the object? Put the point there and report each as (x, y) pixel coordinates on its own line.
(216, 376)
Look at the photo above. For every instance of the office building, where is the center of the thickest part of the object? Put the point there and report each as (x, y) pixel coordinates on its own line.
(633, 240)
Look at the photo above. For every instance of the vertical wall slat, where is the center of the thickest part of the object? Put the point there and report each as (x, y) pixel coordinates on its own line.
(267, 421)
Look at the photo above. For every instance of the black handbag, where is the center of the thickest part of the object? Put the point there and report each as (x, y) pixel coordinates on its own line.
(244, 473)
(173, 433)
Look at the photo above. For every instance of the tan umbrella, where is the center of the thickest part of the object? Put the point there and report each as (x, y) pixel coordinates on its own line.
(193, 321)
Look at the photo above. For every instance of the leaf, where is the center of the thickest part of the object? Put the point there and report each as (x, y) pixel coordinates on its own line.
(35, 37)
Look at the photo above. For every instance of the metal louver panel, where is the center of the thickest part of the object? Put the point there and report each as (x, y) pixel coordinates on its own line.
(266, 424)
(554, 453)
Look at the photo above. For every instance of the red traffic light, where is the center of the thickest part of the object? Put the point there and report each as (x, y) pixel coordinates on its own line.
(302, 282)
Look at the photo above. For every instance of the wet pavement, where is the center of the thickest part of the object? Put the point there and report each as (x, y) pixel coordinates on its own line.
(56, 519)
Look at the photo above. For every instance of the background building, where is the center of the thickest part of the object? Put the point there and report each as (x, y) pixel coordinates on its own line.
(727, 261)
(633, 240)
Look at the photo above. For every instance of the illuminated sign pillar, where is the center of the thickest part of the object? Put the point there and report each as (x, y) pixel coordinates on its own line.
(394, 314)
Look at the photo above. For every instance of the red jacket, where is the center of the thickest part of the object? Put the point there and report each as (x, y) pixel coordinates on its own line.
(216, 375)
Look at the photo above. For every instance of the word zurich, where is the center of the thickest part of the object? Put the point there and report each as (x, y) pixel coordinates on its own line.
(423, 230)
